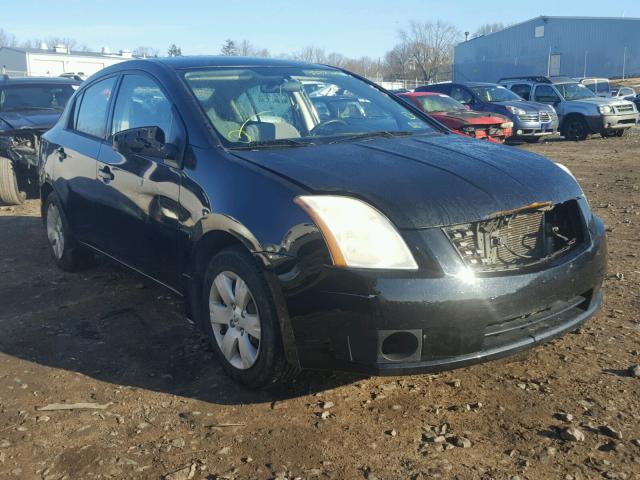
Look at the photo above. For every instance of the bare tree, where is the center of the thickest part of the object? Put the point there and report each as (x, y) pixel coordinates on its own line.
(399, 62)
(431, 46)
(488, 28)
(247, 49)
(310, 53)
(7, 39)
(146, 52)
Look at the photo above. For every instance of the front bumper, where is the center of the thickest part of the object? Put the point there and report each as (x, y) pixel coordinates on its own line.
(601, 123)
(345, 321)
(527, 129)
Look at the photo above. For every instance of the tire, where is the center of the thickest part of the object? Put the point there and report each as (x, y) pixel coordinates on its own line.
(9, 191)
(241, 321)
(621, 132)
(576, 129)
(66, 253)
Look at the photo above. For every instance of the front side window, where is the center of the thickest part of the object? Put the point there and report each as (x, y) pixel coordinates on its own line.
(35, 97)
(141, 103)
(461, 95)
(263, 105)
(92, 111)
(495, 93)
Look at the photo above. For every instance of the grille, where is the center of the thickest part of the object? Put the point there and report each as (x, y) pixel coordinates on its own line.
(529, 117)
(624, 108)
(518, 239)
(545, 117)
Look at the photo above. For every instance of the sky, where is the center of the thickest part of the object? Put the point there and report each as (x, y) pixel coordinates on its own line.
(352, 27)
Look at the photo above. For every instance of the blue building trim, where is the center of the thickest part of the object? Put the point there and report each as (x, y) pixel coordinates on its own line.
(567, 46)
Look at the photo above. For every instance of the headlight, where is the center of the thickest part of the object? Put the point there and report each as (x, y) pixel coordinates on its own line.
(605, 109)
(357, 234)
(506, 125)
(515, 110)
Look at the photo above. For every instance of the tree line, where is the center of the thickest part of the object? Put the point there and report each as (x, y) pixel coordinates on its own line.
(424, 51)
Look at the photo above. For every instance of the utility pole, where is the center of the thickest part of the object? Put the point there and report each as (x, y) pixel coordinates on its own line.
(584, 74)
(624, 62)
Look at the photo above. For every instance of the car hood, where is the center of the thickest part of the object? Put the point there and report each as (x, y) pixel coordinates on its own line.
(529, 107)
(36, 119)
(423, 181)
(599, 101)
(469, 117)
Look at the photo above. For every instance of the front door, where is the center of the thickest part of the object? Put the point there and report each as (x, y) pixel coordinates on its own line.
(554, 65)
(140, 210)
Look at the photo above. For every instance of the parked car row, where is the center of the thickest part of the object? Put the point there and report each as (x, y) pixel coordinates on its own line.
(540, 106)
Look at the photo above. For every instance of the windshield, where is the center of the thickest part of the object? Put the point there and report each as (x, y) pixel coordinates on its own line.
(495, 93)
(439, 103)
(35, 97)
(252, 106)
(574, 91)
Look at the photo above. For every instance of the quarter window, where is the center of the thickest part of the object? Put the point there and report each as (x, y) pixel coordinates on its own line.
(141, 103)
(92, 114)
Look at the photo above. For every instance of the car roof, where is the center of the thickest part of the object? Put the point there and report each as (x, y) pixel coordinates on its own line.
(196, 61)
(6, 80)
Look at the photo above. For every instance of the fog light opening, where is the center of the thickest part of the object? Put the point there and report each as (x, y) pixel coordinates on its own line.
(399, 346)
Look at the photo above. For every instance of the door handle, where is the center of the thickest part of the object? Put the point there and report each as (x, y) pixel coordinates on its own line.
(105, 174)
(61, 153)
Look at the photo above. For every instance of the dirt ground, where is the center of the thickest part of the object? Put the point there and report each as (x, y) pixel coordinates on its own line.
(107, 338)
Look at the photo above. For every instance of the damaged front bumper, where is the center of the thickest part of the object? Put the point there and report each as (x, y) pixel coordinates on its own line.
(398, 323)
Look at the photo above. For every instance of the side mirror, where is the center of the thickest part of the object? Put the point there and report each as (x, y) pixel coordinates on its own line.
(145, 141)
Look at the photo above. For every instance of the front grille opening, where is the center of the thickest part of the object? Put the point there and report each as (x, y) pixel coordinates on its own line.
(519, 239)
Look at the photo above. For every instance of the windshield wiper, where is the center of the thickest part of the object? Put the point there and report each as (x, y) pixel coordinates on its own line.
(359, 136)
(281, 142)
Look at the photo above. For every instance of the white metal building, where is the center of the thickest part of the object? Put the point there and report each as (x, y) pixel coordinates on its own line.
(54, 61)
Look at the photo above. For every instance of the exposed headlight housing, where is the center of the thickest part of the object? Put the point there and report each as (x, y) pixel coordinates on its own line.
(605, 109)
(357, 234)
(506, 125)
(515, 110)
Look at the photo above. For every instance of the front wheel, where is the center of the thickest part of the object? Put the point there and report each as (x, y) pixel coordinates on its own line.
(241, 320)
(9, 191)
(576, 128)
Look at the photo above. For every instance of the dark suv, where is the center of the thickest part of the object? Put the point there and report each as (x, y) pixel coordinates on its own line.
(28, 107)
(531, 121)
(378, 242)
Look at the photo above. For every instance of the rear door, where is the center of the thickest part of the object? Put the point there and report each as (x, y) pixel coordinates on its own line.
(76, 151)
(139, 208)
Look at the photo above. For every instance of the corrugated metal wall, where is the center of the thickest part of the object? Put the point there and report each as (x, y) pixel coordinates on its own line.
(607, 44)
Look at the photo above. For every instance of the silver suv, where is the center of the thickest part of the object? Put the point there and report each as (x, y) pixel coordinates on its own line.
(579, 110)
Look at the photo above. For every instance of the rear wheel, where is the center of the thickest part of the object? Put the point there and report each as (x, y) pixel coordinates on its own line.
(67, 254)
(241, 320)
(576, 128)
(9, 191)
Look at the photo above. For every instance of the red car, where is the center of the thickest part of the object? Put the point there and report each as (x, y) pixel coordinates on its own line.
(453, 114)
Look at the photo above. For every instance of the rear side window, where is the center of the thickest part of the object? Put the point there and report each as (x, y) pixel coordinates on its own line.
(91, 117)
(522, 89)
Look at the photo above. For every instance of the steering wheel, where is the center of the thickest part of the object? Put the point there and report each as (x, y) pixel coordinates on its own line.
(321, 128)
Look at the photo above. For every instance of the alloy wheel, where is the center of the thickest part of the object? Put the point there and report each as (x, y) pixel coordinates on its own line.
(55, 230)
(235, 320)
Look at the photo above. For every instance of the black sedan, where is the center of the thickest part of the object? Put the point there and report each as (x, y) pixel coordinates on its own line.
(381, 244)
